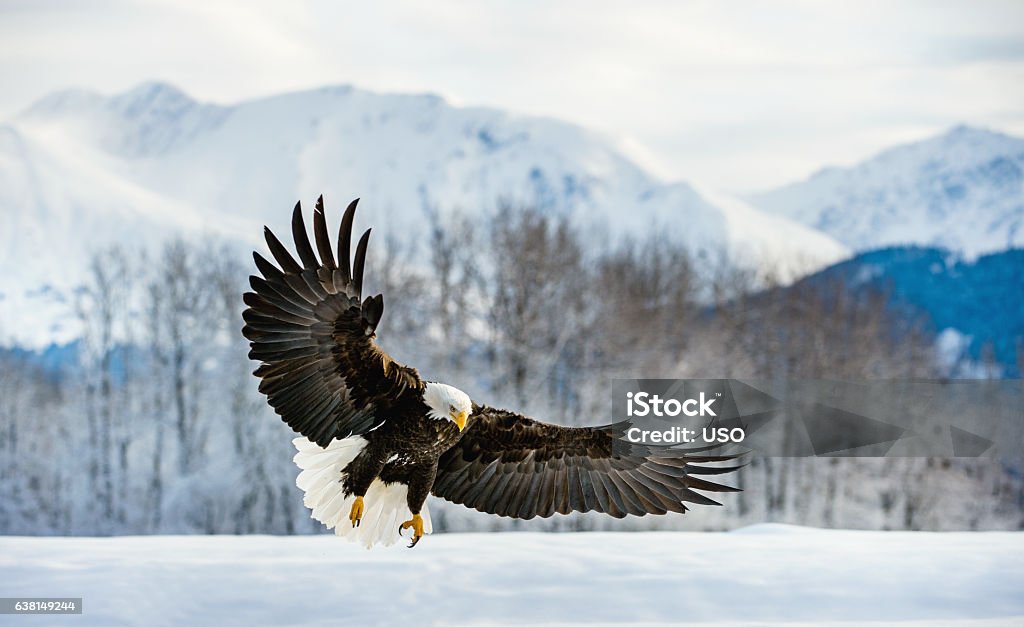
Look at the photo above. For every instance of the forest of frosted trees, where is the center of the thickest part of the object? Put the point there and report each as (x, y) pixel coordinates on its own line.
(157, 426)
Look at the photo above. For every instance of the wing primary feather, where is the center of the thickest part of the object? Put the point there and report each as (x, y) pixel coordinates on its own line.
(258, 301)
(701, 484)
(672, 483)
(301, 288)
(302, 239)
(710, 470)
(359, 261)
(281, 290)
(281, 254)
(345, 240)
(323, 240)
(649, 503)
(267, 269)
(657, 485)
(696, 497)
(312, 281)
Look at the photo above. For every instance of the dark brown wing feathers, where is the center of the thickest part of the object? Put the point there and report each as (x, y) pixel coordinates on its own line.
(511, 465)
(321, 371)
(323, 374)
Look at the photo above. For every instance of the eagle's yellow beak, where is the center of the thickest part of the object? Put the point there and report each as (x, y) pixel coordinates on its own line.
(460, 419)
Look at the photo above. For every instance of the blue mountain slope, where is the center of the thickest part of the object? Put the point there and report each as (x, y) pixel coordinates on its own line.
(981, 298)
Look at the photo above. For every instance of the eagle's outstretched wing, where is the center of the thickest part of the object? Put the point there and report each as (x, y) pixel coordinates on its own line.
(511, 465)
(321, 371)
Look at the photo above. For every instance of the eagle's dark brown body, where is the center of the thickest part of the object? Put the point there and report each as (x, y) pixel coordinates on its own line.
(402, 451)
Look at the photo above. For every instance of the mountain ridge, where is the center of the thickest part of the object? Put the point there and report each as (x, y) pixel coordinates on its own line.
(963, 190)
(80, 170)
(973, 306)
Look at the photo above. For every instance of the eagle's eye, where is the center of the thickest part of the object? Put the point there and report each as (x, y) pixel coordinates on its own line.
(451, 408)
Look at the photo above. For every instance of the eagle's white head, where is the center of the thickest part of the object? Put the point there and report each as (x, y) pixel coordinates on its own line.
(447, 403)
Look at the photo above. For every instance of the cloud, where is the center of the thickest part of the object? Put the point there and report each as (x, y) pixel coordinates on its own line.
(735, 95)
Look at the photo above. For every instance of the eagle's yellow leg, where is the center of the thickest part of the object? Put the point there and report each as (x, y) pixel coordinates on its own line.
(417, 528)
(356, 513)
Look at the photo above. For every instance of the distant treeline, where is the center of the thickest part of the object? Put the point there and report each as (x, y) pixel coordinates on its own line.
(158, 427)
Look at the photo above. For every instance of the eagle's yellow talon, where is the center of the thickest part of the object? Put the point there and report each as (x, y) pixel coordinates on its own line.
(417, 528)
(356, 513)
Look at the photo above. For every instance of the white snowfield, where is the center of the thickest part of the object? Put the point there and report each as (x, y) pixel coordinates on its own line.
(762, 575)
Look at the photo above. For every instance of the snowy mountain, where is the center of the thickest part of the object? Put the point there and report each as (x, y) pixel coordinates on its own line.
(79, 170)
(963, 190)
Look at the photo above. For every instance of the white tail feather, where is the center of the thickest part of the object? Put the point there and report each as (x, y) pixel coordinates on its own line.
(320, 479)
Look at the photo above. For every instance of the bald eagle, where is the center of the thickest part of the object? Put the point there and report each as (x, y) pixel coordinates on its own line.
(376, 439)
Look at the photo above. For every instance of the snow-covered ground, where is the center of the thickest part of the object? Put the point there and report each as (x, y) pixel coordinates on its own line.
(767, 574)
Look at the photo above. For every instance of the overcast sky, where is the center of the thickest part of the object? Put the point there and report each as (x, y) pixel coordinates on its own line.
(733, 95)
